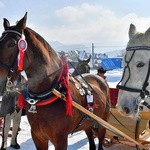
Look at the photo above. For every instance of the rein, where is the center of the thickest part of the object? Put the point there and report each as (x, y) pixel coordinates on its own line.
(143, 92)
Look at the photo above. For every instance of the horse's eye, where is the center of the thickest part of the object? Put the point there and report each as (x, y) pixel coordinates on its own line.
(12, 43)
(140, 64)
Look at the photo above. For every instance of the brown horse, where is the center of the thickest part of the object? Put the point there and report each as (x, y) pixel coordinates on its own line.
(46, 70)
(82, 67)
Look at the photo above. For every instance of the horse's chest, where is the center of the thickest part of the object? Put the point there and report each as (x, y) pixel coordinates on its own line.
(47, 115)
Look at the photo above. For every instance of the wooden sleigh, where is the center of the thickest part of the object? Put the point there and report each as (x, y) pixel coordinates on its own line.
(137, 130)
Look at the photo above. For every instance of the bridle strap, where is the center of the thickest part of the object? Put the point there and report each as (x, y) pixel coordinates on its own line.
(12, 31)
(7, 67)
(142, 91)
(128, 89)
(137, 48)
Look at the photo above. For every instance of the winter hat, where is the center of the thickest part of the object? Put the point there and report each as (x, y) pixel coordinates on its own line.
(101, 70)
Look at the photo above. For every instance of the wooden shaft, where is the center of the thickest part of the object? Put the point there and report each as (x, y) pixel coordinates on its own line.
(101, 121)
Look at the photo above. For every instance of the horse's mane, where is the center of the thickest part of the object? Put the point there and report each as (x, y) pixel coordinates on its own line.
(39, 44)
(40, 39)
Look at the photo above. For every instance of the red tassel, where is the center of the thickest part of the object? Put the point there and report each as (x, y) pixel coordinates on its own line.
(21, 101)
(22, 46)
(65, 82)
(20, 59)
(69, 104)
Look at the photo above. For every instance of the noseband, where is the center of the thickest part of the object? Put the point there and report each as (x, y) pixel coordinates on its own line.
(143, 92)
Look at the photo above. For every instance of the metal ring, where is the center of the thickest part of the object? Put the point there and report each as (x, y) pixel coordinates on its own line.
(32, 101)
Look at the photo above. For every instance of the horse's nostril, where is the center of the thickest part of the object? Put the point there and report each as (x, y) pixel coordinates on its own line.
(127, 110)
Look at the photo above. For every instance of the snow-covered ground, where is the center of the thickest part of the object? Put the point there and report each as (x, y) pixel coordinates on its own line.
(77, 141)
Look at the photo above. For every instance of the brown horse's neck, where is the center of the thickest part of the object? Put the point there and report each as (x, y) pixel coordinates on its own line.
(40, 61)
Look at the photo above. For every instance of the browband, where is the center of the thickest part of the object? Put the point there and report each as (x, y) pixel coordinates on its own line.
(13, 31)
(138, 48)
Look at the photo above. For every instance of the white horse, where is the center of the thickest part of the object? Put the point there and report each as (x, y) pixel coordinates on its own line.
(134, 87)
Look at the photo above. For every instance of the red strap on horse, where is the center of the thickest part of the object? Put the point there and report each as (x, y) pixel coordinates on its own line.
(47, 101)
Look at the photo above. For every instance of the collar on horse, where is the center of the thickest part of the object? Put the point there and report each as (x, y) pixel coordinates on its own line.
(47, 97)
(144, 93)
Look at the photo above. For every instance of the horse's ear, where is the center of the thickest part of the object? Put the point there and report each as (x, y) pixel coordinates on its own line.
(88, 60)
(22, 23)
(132, 31)
(147, 33)
(6, 24)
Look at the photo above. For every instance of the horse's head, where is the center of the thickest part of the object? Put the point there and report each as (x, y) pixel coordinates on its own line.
(9, 50)
(134, 86)
(32, 54)
(82, 67)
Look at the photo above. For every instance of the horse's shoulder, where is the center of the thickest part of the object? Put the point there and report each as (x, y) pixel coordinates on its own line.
(93, 79)
(89, 76)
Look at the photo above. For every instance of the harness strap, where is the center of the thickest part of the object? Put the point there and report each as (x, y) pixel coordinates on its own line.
(138, 48)
(144, 91)
(21, 101)
(54, 98)
(4, 65)
(128, 89)
(146, 104)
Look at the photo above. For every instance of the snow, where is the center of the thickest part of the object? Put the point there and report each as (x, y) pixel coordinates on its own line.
(112, 77)
(77, 141)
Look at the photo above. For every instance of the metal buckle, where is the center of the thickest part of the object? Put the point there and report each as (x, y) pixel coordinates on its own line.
(32, 101)
(32, 109)
(9, 84)
(139, 100)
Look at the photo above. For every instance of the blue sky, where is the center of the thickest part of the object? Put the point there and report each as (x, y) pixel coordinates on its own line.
(103, 22)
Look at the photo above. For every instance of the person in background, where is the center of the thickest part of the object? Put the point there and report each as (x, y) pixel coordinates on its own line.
(113, 91)
(101, 72)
